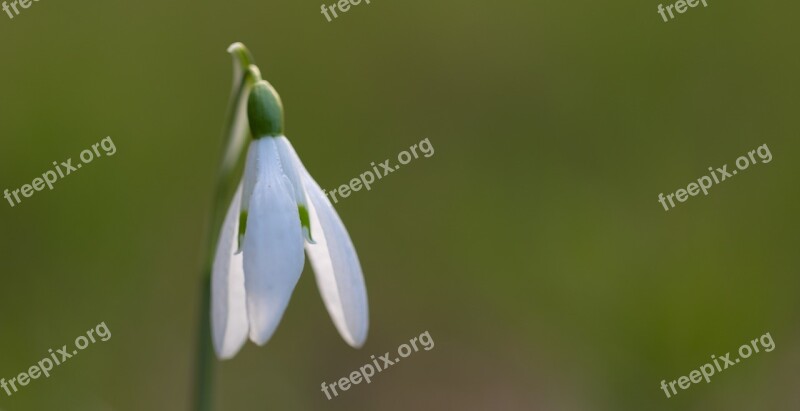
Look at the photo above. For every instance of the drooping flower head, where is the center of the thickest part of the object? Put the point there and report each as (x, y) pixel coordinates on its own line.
(278, 211)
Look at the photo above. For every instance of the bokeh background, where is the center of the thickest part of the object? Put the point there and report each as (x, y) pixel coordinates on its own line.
(531, 245)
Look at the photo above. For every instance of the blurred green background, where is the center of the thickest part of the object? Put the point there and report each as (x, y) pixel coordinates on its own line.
(531, 245)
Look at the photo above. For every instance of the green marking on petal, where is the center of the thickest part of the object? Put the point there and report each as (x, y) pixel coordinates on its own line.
(242, 227)
(305, 222)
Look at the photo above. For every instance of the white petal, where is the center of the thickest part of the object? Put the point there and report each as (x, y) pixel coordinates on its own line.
(336, 267)
(294, 170)
(287, 154)
(251, 171)
(273, 244)
(228, 310)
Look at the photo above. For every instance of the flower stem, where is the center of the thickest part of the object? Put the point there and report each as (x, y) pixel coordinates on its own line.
(204, 374)
(235, 140)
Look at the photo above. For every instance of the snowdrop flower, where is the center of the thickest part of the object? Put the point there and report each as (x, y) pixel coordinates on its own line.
(277, 211)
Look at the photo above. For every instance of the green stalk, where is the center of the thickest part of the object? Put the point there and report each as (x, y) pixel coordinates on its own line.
(235, 138)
